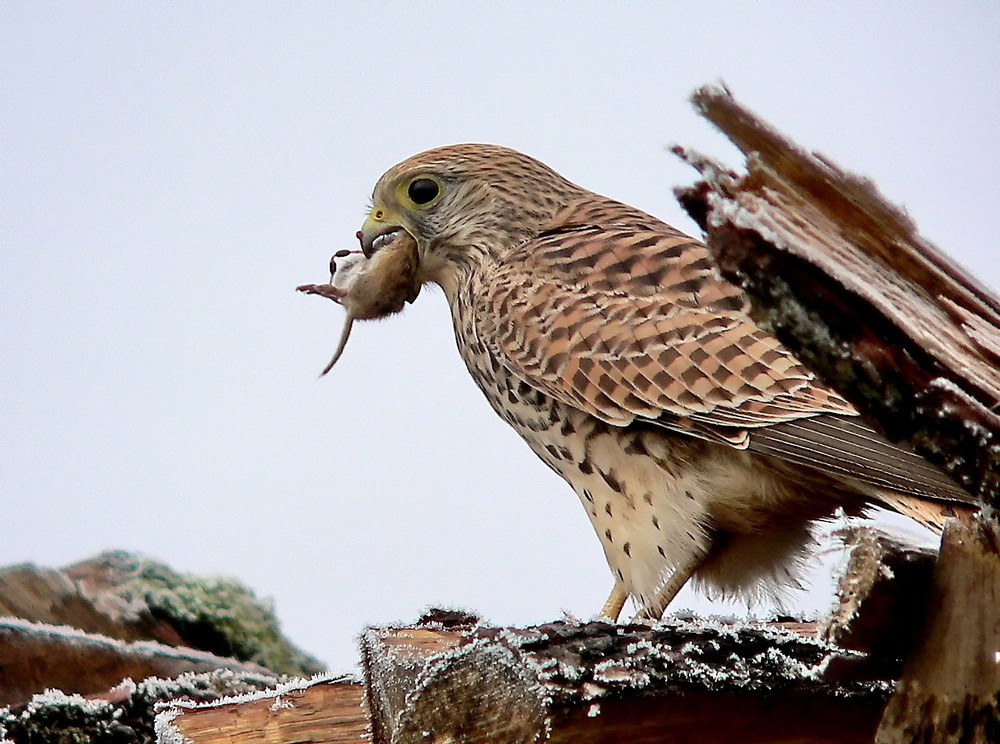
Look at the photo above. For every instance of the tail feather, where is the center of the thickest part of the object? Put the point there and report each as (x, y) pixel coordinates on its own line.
(846, 448)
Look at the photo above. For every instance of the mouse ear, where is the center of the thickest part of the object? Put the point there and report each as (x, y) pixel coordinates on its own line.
(344, 335)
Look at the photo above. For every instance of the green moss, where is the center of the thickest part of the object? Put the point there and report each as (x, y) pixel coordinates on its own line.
(216, 614)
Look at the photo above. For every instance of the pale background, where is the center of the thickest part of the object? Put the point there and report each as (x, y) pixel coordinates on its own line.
(170, 172)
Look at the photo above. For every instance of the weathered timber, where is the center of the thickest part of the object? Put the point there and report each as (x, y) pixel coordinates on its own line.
(36, 657)
(132, 598)
(599, 682)
(323, 710)
(883, 593)
(950, 688)
(451, 678)
(122, 715)
(845, 280)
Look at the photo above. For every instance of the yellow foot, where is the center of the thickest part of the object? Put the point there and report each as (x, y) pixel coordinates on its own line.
(653, 609)
(616, 600)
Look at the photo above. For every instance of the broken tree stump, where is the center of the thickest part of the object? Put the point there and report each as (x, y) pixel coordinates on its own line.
(842, 277)
(953, 677)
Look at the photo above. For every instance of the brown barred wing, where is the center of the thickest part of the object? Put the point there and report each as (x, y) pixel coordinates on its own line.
(630, 323)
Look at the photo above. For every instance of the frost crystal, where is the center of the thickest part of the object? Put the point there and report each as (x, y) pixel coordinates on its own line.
(57, 698)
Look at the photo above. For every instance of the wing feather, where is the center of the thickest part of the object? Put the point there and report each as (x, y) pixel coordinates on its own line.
(850, 449)
(630, 322)
(618, 314)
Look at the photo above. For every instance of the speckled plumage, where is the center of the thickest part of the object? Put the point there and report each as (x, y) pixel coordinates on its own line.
(696, 442)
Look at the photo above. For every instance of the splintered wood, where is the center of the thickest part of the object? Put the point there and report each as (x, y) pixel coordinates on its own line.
(883, 595)
(845, 280)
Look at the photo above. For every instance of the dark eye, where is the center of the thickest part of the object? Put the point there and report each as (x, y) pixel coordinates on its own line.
(423, 191)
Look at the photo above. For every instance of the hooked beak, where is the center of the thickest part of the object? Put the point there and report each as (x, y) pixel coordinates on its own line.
(376, 233)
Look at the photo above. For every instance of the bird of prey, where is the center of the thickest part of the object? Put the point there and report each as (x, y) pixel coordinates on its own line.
(699, 445)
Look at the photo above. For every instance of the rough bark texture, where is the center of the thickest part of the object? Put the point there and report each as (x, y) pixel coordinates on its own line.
(123, 715)
(953, 677)
(452, 680)
(883, 594)
(843, 278)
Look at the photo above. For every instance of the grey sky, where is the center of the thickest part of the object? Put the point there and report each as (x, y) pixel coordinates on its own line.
(170, 172)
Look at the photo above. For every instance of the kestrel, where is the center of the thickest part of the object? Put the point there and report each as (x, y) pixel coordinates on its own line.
(699, 446)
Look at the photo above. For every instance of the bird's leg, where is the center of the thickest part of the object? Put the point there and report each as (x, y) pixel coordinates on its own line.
(616, 600)
(653, 609)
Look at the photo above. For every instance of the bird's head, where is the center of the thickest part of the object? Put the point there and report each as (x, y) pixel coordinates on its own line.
(461, 204)
(434, 218)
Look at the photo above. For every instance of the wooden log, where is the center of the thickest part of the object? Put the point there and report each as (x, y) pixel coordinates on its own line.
(599, 682)
(450, 678)
(323, 710)
(35, 657)
(845, 280)
(883, 593)
(950, 688)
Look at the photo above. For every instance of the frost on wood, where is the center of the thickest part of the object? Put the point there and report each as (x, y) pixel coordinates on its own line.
(124, 714)
(451, 677)
(325, 708)
(36, 656)
(547, 682)
(882, 599)
(845, 280)
(130, 598)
